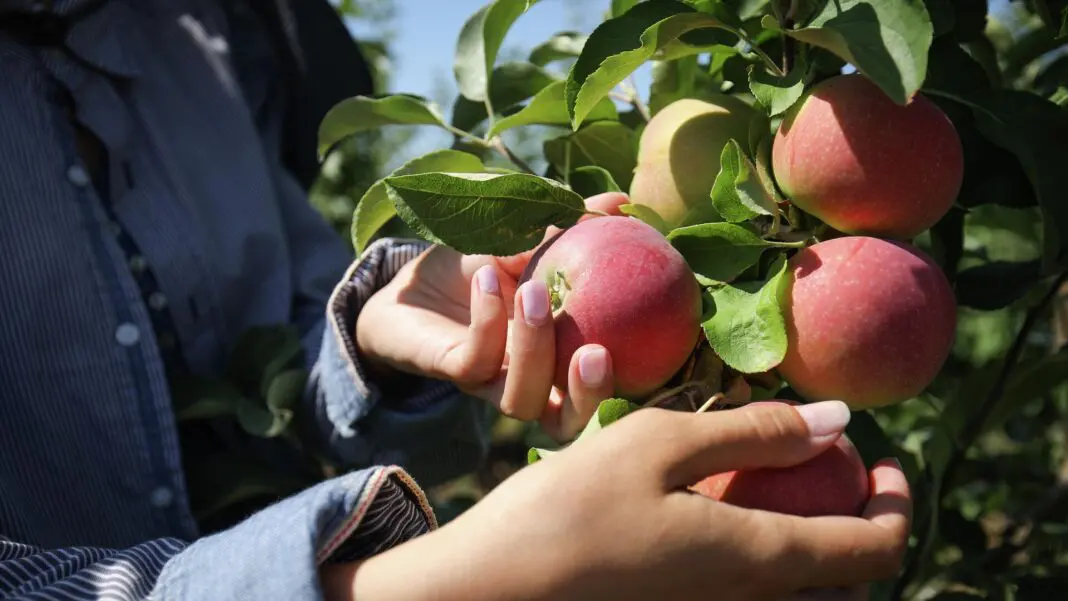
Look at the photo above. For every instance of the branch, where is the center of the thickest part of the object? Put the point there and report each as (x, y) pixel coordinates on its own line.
(635, 99)
(974, 427)
(501, 147)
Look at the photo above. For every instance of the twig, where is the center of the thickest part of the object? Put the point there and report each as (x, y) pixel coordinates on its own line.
(767, 60)
(635, 99)
(501, 147)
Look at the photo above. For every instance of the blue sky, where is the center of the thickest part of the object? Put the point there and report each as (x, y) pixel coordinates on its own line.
(425, 42)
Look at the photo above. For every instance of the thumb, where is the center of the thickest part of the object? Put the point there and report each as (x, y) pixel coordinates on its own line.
(764, 434)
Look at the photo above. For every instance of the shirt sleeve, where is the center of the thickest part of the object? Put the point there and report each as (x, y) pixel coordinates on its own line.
(274, 554)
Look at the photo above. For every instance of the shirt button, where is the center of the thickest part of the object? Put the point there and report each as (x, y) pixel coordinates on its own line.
(157, 300)
(78, 176)
(127, 334)
(161, 497)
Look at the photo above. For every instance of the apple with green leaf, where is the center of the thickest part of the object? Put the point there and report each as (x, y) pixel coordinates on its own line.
(618, 282)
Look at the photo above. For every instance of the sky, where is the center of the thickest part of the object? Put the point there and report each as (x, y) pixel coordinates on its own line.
(424, 44)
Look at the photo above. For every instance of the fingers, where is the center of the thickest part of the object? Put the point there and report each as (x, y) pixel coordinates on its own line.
(763, 434)
(479, 356)
(607, 202)
(589, 381)
(531, 364)
(843, 551)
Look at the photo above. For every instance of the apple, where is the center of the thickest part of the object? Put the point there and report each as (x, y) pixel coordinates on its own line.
(618, 282)
(835, 482)
(863, 164)
(678, 156)
(869, 322)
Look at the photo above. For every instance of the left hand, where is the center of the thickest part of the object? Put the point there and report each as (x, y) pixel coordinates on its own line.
(453, 317)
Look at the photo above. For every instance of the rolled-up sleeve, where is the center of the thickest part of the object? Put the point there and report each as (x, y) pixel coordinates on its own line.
(434, 431)
(274, 554)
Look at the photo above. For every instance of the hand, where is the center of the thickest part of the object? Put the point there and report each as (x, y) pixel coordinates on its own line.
(610, 518)
(461, 318)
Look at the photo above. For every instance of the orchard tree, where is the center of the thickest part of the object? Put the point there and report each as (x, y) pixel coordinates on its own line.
(860, 200)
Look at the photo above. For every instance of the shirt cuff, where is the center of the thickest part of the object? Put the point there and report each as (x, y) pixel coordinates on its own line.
(433, 430)
(276, 553)
(377, 266)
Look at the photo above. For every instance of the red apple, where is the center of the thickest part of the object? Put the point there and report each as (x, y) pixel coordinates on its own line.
(869, 322)
(617, 282)
(835, 482)
(863, 164)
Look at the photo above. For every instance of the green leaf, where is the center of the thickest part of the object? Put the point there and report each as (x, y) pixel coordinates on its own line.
(375, 208)
(748, 330)
(511, 84)
(608, 412)
(763, 167)
(886, 41)
(1033, 129)
(205, 398)
(478, 44)
(607, 144)
(942, 16)
(256, 352)
(874, 445)
(592, 180)
(738, 194)
(776, 94)
(619, 46)
(362, 113)
(997, 284)
(619, 7)
(647, 215)
(673, 80)
(259, 421)
(548, 108)
(535, 455)
(562, 46)
(1028, 382)
(718, 251)
(483, 213)
(286, 390)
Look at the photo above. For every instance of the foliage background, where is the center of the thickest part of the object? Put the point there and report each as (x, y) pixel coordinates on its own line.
(1002, 529)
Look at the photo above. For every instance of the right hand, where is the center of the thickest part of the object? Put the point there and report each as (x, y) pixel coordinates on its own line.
(610, 518)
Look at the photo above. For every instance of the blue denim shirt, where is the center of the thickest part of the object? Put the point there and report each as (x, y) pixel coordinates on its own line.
(93, 500)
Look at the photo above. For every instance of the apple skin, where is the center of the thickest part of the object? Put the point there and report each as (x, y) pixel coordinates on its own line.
(869, 322)
(835, 482)
(863, 164)
(678, 156)
(628, 290)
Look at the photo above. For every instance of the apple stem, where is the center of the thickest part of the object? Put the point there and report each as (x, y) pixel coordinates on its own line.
(719, 396)
(781, 244)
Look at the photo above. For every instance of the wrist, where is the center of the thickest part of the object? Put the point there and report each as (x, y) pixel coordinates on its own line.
(416, 570)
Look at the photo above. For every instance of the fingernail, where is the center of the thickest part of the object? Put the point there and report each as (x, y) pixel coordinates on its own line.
(535, 303)
(487, 280)
(593, 367)
(825, 418)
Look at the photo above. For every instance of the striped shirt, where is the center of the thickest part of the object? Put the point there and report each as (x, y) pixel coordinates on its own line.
(188, 233)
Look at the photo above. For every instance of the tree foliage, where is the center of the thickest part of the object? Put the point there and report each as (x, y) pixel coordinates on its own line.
(985, 445)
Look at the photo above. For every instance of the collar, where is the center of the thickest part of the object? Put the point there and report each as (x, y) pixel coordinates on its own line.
(91, 29)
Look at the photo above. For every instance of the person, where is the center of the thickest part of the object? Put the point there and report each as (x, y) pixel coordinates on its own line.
(149, 216)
